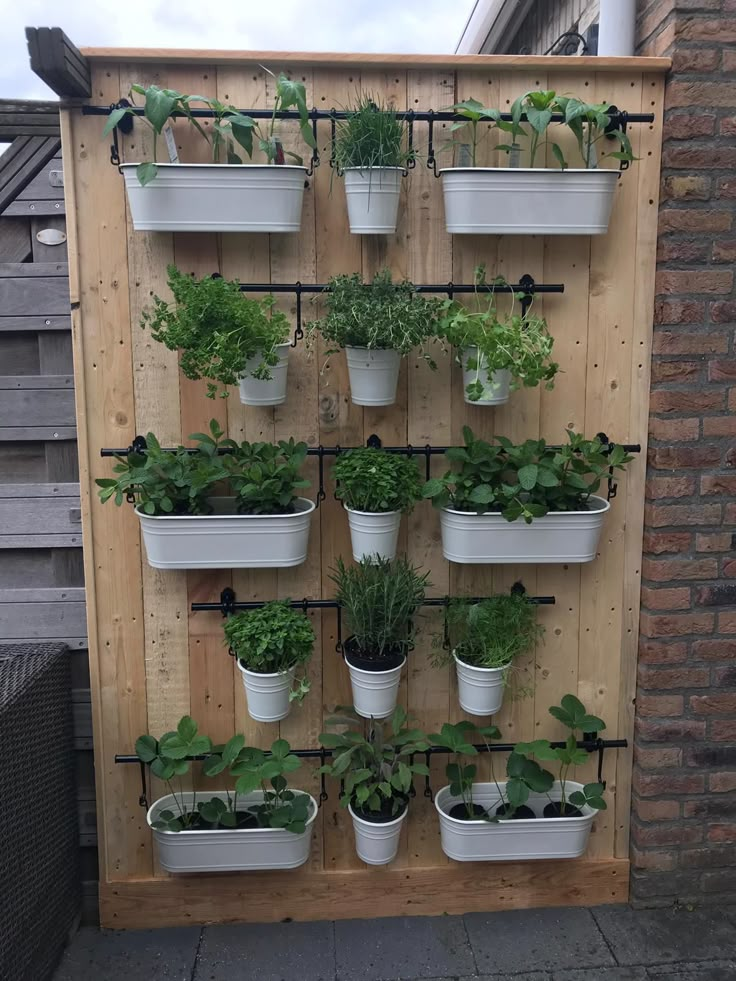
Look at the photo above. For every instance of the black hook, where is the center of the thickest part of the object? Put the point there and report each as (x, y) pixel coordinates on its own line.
(526, 283)
(374, 442)
(338, 646)
(227, 601)
(607, 448)
(427, 459)
(139, 445)
(427, 786)
(450, 290)
(143, 799)
(445, 626)
(298, 333)
(601, 747)
(618, 119)
(333, 136)
(411, 161)
(323, 796)
(431, 159)
(321, 466)
(518, 589)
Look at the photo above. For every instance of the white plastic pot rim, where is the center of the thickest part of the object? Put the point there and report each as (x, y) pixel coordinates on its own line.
(531, 170)
(180, 168)
(372, 514)
(474, 667)
(377, 824)
(187, 798)
(362, 673)
(444, 802)
(301, 504)
(263, 674)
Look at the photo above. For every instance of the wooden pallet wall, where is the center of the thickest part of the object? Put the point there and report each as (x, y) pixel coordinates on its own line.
(153, 660)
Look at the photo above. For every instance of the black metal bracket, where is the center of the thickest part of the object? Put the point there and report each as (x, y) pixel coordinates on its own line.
(568, 49)
(619, 121)
(608, 446)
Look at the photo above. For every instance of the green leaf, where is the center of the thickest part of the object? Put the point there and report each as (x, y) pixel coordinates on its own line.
(528, 476)
(432, 488)
(187, 728)
(159, 106)
(146, 173)
(113, 119)
(146, 748)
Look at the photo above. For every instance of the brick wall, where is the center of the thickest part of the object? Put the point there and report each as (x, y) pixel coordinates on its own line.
(684, 805)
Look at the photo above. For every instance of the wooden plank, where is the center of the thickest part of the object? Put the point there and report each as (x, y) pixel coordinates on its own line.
(24, 433)
(24, 209)
(304, 896)
(33, 516)
(24, 617)
(49, 253)
(36, 407)
(34, 295)
(58, 62)
(56, 541)
(44, 595)
(15, 240)
(34, 152)
(35, 323)
(33, 269)
(36, 382)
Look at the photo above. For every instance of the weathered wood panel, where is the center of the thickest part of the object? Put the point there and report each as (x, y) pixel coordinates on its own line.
(24, 295)
(43, 614)
(42, 407)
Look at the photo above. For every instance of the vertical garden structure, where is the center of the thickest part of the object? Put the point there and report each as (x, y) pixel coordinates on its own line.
(153, 660)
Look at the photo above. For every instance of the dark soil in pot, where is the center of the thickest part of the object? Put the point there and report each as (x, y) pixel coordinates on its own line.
(384, 815)
(554, 810)
(460, 812)
(521, 813)
(244, 820)
(372, 661)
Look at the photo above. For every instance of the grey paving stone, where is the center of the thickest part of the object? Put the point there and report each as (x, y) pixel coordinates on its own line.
(536, 940)
(401, 948)
(124, 955)
(663, 936)
(266, 952)
(714, 971)
(603, 974)
(534, 976)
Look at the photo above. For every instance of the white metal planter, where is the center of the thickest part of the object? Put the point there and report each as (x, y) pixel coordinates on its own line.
(374, 375)
(254, 391)
(560, 536)
(527, 200)
(267, 695)
(377, 843)
(514, 840)
(480, 691)
(226, 540)
(375, 692)
(229, 849)
(217, 198)
(374, 534)
(495, 388)
(373, 199)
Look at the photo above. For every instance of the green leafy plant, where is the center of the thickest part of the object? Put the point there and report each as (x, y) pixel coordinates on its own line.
(217, 329)
(474, 113)
(272, 639)
(256, 770)
(590, 124)
(458, 738)
(377, 769)
(492, 633)
(523, 481)
(371, 136)
(379, 599)
(378, 315)
(517, 342)
(376, 481)
(265, 477)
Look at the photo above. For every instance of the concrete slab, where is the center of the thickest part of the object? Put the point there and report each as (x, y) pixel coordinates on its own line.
(401, 948)
(266, 952)
(536, 940)
(715, 971)
(603, 974)
(663, 936)
(124, 955)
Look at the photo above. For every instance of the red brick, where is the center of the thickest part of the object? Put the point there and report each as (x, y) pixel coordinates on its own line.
(671, 342)
(732, 400)
(661, 652)
(657, 810)
(714, 704)
(665, 599)
(663, 515)
(652, 759)
(715, 650)
(723, 252)
(677, 834)
(727, 126)
(659, 487)
(673, 430)
(676, 624)
(721, 594)
(726, 187)
(670, 730)
(653, 861)
(661, 542)
(723, 312)
(694, 281)
(662, 678)
(723, 730)
(729, 62)
(722, 31)
(692, 60)
(722, 371)
(727, 623)
(719, 426)
(728, 568)
(653, 784)
(681, 401)
(722, 483)
(693, 220)
(722, 783)
(710, 857)
(720, 832)
(721, 541)
(699, 157)
(665, 570)
(659, 706)
(692, 187)
(683, 250)
(682, 457)
(725, 676)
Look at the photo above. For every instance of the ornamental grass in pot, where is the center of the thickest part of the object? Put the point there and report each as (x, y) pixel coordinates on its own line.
(529, 502)
(271, 644)
(376, 487)
(223, 336)
(572, 197)
(485, 640)
(377, 324)
(370, 153)
(376, 769)
(217, 505)
(258, 822)
(379, 601)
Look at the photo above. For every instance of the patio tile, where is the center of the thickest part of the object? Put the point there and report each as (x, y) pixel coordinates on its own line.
(661, 936)
(121, 955)
(603, 974)
(267, 952)
(714, 971)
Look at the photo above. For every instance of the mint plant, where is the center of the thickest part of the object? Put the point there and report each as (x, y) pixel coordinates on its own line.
(375, 481)
(265, 477)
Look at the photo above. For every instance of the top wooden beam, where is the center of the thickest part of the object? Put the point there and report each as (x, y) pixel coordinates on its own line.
(58, 63)
(335, 59)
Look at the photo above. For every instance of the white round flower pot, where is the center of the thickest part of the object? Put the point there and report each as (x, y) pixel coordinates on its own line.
(374, 692)
(560, 536)
(495, 388)
(527, 200)
(254, 391)
(374, 375)
(513, 840)
(229, 849)
(227, 540)
(377, 842)
(480, 691)
(267, 695)
(373, 199)
(217, 198)
(374, 535)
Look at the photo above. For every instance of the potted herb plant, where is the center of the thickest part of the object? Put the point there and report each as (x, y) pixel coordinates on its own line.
(530, 815)
(223, 336)
(516, 200)
(226, 195)
(377, 324)
(498, 353)
(531, 502)
(485, 641)
(188, 519)
(270, 643)
(258, 824)
(376, 487)
(369, 151)
(376, 771)
(379, 599)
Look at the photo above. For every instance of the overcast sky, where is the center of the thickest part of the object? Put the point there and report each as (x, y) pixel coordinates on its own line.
(424, 26)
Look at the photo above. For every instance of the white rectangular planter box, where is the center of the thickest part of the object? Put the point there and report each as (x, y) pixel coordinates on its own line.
(560, 536)
(226, 540)
(229, 849)
(508, 841)
(527, 200)
(217, 198)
